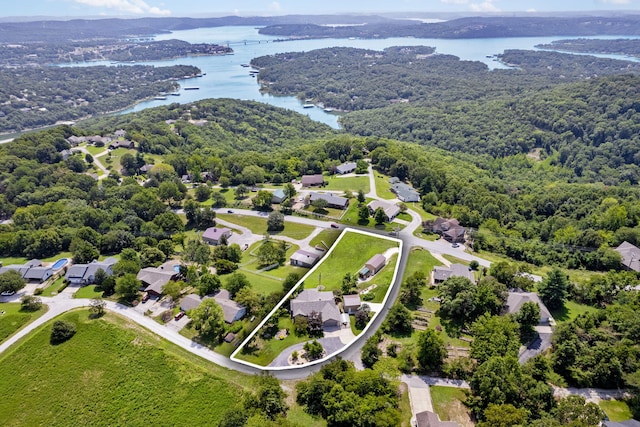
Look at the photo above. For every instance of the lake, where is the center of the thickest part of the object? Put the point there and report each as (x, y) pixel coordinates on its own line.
(226, 78)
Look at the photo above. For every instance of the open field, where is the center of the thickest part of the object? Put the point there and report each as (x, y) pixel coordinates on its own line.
(353, 250)
(12, 318)
(349, 183)
(447, 403)
(121, 374)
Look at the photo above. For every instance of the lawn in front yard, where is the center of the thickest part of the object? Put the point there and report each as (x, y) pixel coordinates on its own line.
(273, 346)
(54, 288)
(13, 318)
(262, 283)
(259, 226)
(616, 410)
(420, 260)
(351, 218)
(447, 403)
(328, 237)
(88, 292)
(353, 250)
(383, 186)
(349, 183)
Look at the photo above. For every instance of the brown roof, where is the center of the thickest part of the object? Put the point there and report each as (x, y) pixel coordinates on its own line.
(307, 180)
(377, 262)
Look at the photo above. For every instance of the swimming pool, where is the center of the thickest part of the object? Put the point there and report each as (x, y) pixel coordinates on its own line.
(60, 263)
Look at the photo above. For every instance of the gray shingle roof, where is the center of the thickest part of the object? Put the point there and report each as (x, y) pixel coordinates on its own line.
(630, 255)
(310, 300)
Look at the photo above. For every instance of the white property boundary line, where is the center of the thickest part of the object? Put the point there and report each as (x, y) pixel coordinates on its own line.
(288, 295)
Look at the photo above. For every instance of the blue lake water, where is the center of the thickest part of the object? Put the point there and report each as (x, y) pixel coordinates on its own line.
(226, 78)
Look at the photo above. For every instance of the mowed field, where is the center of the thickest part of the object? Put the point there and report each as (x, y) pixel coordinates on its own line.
(112, 372)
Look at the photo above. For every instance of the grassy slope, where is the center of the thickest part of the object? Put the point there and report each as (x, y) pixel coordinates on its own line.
(447, 403)
(353, 251)
(616, 410)
(350, 183)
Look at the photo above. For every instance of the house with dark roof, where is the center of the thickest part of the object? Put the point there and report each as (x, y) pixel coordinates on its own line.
(630, 256)
(312, 180)
(302, 258)
(351, 303)
(391, 210)
(76, 140)
(85, 274)
(232, 310)
(190, 302)
(153, 279)
(278, 196)
(516, 299)
(431, 419)
(450, 229)
(440, 273)
(405, 192)
(314, 301)
(346, 168)
(214, 235)
(372, 266)
(122, 143)
(332, 200)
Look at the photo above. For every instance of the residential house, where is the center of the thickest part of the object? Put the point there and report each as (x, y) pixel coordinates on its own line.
(153, 279)
(38, 274)
(405, 192)
(66, 154)
(76, 140)
(120, 133)
(311, 300)
(391, 210)
(85, 274)
(394, 180)
(186, 179)
(630, 256)
(146, 168)
(346, 168)
(333, 201)
(431, 419)
(440, 274)
(351, 303)
(278, 196)
(122, 143)
(190, 302)
(450, 229)
(232, 310)
(372, 266)
(98, 140)
(301, 258)
(214, 235)
(312, 180)
(516, 299)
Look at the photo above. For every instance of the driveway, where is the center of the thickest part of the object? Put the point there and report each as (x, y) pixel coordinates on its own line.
(419, 394)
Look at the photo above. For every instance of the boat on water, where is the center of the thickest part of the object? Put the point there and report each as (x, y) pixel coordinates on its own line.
(159, 98)
(245, 65)
(175, 94)
(308, 105)
(191, 88)
(328, 110)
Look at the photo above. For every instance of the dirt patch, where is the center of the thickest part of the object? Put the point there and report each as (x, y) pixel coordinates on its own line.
(459, 413)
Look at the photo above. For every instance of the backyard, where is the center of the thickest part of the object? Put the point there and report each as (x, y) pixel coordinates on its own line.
(259, 226)
(348, 183)
(447, 403)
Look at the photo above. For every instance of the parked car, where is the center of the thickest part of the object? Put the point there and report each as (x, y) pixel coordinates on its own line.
(335, 226)
(229, 211)
(145, 298)
(7, 293)
(455, 245)
(179, 315)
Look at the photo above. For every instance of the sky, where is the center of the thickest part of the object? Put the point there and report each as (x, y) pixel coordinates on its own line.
(197, 8)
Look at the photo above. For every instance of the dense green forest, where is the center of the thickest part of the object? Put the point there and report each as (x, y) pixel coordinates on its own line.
(34, 96)
(629, 47)
(469, 27)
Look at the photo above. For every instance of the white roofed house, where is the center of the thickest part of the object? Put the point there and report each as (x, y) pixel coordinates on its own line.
(301, 258)
(440, 274)
(346, 168)
(391, 210)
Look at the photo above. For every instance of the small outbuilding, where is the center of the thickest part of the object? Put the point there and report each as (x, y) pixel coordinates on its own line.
(351, 303)
(301, 258)
(214, 235)
(372, 266)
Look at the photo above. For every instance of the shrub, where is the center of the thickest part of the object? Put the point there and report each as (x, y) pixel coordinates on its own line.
(61, 331)
(30, 303)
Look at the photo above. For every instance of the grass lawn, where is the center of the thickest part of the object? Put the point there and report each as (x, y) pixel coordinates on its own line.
(455, 260)
(328, 236)
(616, 410)
(121, 375)
(115, 156)
(571, 310)
(348, 257)
(405, 406)
(420, 260)
(351, 218)
(259, 226)
(418, 208)
(57, 286)
(261, 283)
(447, 403)
(383, 187)
(350, 183)
(273, 347)
(14, 319)
(88, 292)
(96, 151)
